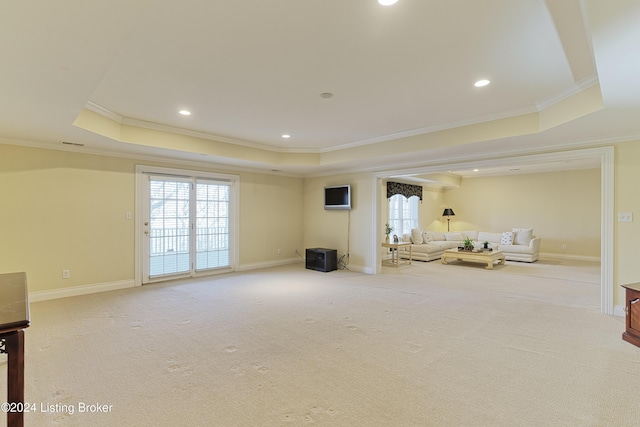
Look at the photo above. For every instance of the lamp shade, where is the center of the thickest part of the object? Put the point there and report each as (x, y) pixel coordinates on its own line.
(448, 212)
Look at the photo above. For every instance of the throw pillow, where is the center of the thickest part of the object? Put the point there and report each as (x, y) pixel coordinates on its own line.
(507, 238)
(522, 236)
(427, 237)
(416, 236)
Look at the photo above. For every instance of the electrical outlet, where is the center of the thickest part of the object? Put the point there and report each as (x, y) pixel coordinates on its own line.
(66, 274)
(279, 251)
(625, 217)
(564, 246)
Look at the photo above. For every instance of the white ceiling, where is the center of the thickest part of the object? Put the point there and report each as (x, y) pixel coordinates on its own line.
(525, 168)
(251, 70)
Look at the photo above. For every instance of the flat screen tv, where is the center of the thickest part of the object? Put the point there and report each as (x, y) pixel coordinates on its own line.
(337, 197)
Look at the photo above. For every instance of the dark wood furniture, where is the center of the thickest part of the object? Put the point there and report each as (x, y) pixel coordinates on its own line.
(14, 317)
(632, 310)
(321, 259)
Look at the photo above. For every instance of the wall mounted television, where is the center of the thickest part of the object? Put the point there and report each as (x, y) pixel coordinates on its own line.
(337, 197)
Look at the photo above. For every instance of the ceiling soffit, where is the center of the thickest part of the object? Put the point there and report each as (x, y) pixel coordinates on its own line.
(580, 104)
(248, 81)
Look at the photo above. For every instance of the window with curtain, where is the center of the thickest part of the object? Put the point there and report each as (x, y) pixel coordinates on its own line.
(403, 214)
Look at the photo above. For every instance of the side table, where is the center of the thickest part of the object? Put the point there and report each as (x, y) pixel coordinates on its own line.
(632, 314)
(14, 317)
(395, 255)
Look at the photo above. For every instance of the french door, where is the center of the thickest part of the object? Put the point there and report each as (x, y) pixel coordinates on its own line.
(186, 226)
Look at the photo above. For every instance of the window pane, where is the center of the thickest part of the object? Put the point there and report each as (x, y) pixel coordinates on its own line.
(168, 227)
(212, 232)
(403, 214)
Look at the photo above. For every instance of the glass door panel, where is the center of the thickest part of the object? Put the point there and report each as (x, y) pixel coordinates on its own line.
(169, 228)
(186, 227)
(212, 225)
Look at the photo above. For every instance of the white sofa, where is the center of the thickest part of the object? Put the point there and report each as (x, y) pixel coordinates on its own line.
(519, 244)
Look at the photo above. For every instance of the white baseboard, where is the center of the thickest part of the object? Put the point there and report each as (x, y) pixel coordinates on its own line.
(80, 290)
(360, 269)
(288, 261)
(267, 264)
(568, 257)
(618, 310)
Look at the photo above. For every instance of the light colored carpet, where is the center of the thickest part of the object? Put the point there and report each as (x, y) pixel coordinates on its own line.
(426, 345)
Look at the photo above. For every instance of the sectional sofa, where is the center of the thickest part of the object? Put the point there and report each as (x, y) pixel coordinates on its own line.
(519, 244)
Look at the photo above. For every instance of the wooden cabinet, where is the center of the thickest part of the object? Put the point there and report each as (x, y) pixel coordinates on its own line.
(632, 310)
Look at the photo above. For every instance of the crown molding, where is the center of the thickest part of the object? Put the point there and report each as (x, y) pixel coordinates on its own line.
(123, 154)
(580, 86)
(535, 108)
(104, 111)
(195, 134)
(434, 128)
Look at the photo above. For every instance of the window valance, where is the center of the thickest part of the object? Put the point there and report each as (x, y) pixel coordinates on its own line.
(407, 190)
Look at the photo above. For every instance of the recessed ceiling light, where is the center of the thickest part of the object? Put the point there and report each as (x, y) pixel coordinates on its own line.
(481, 83)
(476, 170)
(286, 135)
(387, 2)
(326, 95)
(185, 112)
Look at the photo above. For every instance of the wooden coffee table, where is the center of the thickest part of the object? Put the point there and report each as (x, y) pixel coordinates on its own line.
(487, 257)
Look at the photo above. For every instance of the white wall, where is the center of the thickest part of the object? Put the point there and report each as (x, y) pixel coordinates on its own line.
(563, 208)
(63, 210)
(627, 199)
(67, 210)
(433, 204)
(341, 229)
(271, 215)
